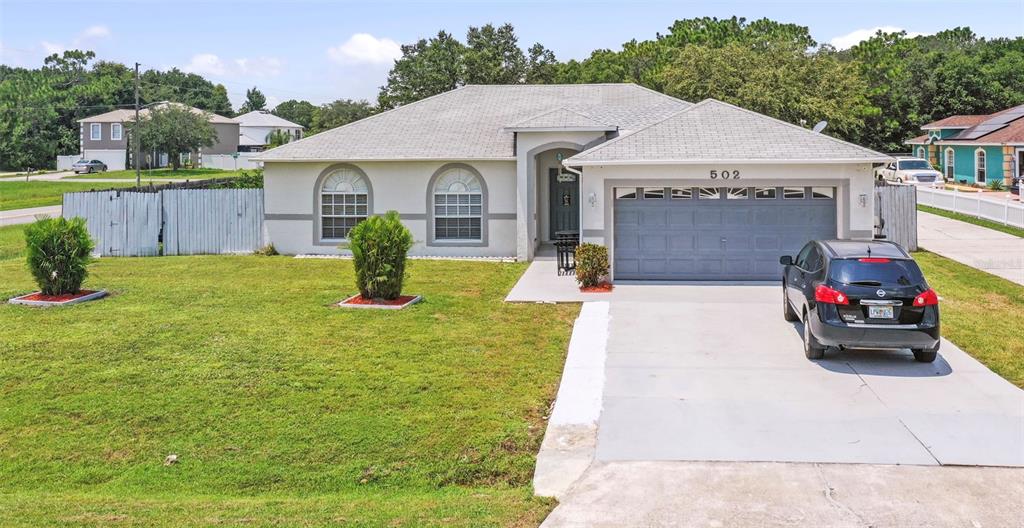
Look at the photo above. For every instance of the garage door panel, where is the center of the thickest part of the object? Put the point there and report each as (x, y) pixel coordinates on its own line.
(714, 239)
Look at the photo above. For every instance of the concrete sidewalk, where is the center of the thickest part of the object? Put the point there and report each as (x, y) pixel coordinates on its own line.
(979, 247)
(27, 216)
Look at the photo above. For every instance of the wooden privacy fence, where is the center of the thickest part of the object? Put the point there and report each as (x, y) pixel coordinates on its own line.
(187, 222)
(896, 215)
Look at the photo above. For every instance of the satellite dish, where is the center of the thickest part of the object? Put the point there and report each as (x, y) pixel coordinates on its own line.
(819, 127)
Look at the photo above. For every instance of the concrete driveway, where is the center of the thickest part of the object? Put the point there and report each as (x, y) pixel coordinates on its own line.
(979, 247)
(717, 375)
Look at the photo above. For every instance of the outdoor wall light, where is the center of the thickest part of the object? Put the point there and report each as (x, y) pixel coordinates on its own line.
(862, 200)
(592, 199)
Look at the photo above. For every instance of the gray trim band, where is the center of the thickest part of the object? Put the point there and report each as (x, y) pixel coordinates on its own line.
(502, 216)
(286, 216)
(593, 232)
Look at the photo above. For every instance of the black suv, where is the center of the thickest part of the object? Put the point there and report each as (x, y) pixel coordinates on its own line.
(852, 294)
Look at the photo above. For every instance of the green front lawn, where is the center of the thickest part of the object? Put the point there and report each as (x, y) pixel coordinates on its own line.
(22, 194)
(981, 313)
(180, 174)
(1016, 231)
(281, 409)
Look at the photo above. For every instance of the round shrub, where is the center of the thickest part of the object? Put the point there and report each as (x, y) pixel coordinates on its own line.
(591, 264)
(58, 251)
(379, 246)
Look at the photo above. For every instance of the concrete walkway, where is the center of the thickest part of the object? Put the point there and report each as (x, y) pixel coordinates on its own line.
(748, 495)
(989, 250)
(27, 216)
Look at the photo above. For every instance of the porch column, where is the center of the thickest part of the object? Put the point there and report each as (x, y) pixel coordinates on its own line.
(524, 247)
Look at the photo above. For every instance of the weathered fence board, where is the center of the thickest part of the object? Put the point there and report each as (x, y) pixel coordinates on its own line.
(212, 221)
(188, 222)
(121, 224)
(896, 207)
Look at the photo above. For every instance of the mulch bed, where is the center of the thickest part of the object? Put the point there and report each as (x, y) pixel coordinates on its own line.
(604, 287)
(359, 299)
(38, 296)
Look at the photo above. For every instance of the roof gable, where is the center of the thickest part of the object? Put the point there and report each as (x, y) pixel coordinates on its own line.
(262, 118)
(713, 131)
(471, 122)
(560, 118)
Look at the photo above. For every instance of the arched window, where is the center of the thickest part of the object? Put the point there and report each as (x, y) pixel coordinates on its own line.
(344, 202)
(979, 165)
(948, 166)
(457, 204)
(920, 152)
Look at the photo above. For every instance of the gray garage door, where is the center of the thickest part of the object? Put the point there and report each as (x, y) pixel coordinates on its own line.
(715, 233)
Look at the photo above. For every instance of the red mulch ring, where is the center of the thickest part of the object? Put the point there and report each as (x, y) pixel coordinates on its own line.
(359, 299)
(38, 296)
(604, 287)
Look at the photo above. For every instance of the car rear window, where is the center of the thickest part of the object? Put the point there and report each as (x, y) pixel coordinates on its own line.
(876, 272)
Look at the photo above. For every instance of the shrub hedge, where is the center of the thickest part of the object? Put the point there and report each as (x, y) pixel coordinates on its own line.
(379, 247)
(58, 254)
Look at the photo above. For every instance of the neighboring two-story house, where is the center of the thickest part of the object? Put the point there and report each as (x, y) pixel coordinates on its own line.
(975, 149)
(255, 127)
(104, 137)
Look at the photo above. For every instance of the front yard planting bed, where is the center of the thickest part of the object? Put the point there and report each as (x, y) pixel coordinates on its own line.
(980, 312)
(282, 410)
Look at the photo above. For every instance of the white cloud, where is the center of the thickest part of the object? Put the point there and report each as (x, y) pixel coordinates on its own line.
(95, 32)
(857, 36)
(52, 47)
(259, 66)
(205, 64)
(365, 48)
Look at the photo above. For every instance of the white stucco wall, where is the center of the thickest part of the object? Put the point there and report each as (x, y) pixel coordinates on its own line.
(396, 185)
(852, 181)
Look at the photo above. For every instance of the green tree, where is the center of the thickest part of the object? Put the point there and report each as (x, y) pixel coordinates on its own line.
(174, 129)
(254, 100)
(187, 88)
(794, 87)
(426, 68)
(276, 138)
(298, 112)
(492, 56)
(338, 113)
(541, 66)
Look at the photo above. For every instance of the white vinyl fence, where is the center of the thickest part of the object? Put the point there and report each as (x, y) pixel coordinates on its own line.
(230, 162)
(1004, 211)
(186, 221)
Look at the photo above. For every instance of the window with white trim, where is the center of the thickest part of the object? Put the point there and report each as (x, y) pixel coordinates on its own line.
(920, 152)
(344, 202)
(948, 166)
(95, 131)
(737, 193)
(708, 193)
(654, 193)
(793, 193)
(765, 193)
(682, 193)
(458, 205)
(625, 193)
(979, 165)
(115, 131)
(823, 193)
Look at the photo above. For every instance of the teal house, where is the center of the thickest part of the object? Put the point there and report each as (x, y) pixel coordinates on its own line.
(975, 149)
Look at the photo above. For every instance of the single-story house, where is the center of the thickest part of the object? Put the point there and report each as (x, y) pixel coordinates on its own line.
(975, 149)
(676, 191)
(104, 137)
(254, 129)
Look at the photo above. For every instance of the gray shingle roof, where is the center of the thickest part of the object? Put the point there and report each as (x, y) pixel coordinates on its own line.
(470, 122)
(127, 115)
(715, 131)
(561, 118)
(262, 118)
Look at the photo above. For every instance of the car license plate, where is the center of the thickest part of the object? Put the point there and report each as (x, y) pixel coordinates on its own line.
(880, 312)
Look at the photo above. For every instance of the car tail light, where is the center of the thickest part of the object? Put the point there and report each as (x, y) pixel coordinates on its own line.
(824, 294)
(927, 298)
(874, 260)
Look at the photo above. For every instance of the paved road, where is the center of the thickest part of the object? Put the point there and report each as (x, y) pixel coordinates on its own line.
(979, 247)
(27, 216)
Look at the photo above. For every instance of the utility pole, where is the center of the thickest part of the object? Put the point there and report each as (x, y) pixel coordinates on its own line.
(136, 133)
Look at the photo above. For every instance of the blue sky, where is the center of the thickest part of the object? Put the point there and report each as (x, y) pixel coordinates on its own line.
(321, 51)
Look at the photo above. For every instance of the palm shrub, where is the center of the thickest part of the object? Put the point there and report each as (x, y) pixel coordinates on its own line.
(58, 254)
(379, 246)
(591, 264)
(995, 185)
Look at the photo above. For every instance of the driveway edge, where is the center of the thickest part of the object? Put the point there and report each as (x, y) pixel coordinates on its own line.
(570, 440)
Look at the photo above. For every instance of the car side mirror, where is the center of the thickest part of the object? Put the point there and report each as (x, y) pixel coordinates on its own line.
(786, 260)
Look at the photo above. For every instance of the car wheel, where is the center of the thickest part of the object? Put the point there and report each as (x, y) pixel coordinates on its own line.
(787, 309)
(923, 355)
(812, 349)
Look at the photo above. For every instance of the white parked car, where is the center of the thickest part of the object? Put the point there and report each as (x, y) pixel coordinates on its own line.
(914, 171)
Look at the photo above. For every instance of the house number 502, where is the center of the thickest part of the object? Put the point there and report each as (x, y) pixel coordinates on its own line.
(725, 175)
